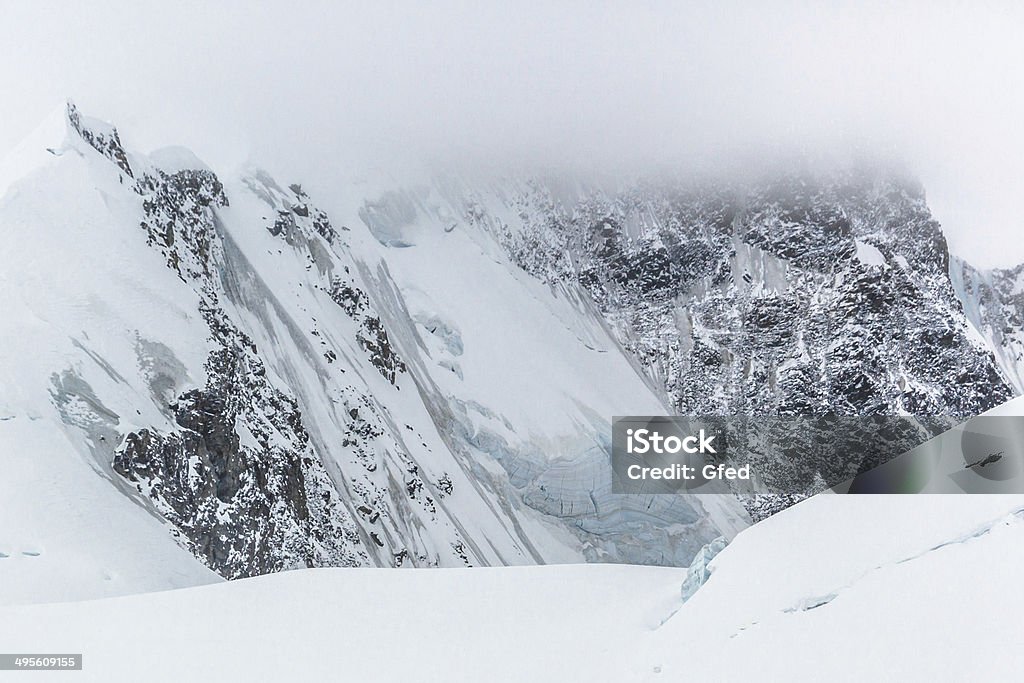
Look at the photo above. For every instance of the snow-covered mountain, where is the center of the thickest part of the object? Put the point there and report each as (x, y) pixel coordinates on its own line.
(424, 375)
(221, 355)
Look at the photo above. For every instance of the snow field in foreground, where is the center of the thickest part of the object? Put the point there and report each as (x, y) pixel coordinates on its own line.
(836, 588)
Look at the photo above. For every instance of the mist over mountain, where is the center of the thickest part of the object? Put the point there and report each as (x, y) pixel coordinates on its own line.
(425, 376)
(319, 321)
(325, 92)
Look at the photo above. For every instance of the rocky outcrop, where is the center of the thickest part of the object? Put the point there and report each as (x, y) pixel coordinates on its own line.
(240, 479)
(178, 220)
(100, 136)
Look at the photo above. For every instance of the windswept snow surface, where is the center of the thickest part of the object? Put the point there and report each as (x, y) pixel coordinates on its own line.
(68, 534)
(908, 588)
(902, 588)
(561, 623)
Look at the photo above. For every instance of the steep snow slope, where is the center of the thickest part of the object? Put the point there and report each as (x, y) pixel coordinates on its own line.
(68, 528)
(994, 303)
(910, 588)
(859, 587)
(531, 371)
(227, 358)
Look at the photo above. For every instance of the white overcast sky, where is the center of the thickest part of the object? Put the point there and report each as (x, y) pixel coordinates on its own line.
(312, 88)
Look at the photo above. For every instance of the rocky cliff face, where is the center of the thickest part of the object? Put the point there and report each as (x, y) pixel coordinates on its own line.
(238, 478)
(805, 294)
(799, 296)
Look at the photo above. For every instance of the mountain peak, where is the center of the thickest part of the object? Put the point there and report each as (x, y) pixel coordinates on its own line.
(102, 136)
(36, 149)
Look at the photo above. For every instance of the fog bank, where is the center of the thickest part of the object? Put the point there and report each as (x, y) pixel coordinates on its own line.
(316, 90)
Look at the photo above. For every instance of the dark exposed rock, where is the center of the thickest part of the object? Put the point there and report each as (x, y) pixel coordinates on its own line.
(373, 339)
(107, 143)
(445, 486)
(238, 478)
(249, 506)
(351, 299)
(754, 300)
(177, 217)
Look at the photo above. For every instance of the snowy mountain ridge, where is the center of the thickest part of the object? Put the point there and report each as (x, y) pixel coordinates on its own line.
(425, 376)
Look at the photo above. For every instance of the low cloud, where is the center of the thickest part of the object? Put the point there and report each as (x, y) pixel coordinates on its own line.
(315, 88)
